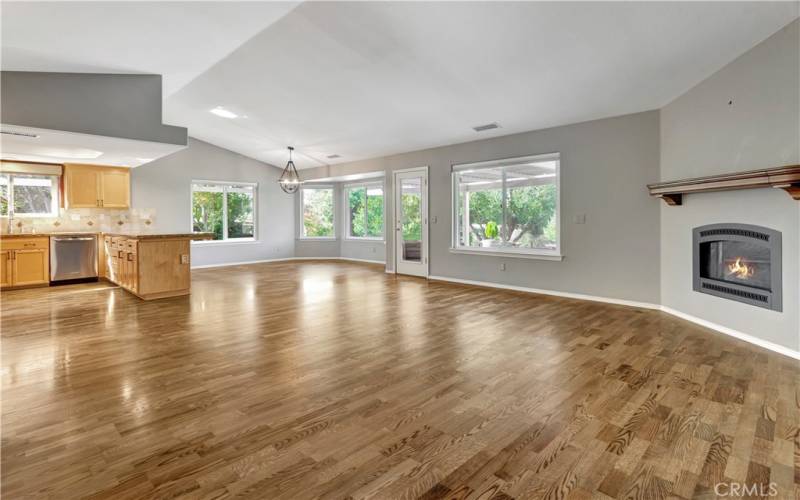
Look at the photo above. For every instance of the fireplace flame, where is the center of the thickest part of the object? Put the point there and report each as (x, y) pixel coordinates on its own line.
(741, 270)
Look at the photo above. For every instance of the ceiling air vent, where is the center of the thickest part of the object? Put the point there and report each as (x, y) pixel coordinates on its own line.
(488, 126)
(333, 157)
(20, 134)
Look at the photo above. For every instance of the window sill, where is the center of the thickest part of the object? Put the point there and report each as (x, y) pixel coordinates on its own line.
(214, 243)
(366, 240)
(317, 238)
(517, 255)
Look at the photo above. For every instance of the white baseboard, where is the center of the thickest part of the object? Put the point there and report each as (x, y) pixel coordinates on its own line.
(243, 263)
(645, 305)
(362, 260)
(580, 296)
(733, 333)
(284, 259)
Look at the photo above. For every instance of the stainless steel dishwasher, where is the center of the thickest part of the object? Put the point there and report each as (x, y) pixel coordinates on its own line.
(73, 257)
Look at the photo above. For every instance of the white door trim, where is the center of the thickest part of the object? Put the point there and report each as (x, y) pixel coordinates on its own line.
(425, 225)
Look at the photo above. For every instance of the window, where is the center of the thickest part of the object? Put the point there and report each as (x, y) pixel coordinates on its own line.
(364, 205)
(28, 195)
(227, 209)
(317, 207)
(509, 206)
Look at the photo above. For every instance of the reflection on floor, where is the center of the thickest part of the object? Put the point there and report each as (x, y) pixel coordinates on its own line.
(330, 379)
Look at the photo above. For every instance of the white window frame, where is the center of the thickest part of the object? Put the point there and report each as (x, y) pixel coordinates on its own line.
(54, 190)
(346, 204)
(225, 240)
(301, 192)
(530, 253)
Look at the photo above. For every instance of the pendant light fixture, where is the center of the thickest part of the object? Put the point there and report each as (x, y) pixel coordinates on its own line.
(290, 180)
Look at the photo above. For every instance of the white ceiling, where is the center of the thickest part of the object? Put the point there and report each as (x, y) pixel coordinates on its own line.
(367, 79)
(174, 39)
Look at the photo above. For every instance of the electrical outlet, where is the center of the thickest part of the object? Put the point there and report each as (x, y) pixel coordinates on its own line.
(373, 249)
(579, 219)
(503, 266)
(434, 219)
(184, 258)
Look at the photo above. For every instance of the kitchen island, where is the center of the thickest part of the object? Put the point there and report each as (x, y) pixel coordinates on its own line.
(148, 265)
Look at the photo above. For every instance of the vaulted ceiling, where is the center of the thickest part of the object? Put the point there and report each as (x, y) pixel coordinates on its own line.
(367, 79)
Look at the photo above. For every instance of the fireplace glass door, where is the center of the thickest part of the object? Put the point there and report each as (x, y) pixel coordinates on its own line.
(739, 262)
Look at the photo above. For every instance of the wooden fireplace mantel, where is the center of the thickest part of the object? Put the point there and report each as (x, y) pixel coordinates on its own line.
(786, 178)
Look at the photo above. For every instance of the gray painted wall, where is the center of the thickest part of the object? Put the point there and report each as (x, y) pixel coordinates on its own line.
(605, 166)
(127, 106)
(701, 134)
(341, 247)
(165, 185)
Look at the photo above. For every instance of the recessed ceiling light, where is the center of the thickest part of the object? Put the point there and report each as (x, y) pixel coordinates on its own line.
(224, 113)
(488, 126)
(71, 153)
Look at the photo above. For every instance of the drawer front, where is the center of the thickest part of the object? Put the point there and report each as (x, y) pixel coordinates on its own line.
(131, 246)
(118, 243)
(41, 242)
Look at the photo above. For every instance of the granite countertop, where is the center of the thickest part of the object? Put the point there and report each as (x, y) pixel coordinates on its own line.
(156, 236)
(138, 236)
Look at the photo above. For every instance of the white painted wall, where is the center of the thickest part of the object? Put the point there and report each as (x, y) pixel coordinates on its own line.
(165, 185)
(702, 134)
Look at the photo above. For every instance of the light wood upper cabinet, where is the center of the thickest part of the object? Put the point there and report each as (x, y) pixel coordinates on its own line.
(81, 186)
(93, 186)
(115, 188)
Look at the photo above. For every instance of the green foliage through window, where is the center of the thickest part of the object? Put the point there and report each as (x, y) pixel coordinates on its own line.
(365, 210)
(509, 206)
(317, 212)
(212, 201)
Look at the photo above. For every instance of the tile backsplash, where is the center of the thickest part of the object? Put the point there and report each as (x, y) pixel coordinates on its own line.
(138, 220)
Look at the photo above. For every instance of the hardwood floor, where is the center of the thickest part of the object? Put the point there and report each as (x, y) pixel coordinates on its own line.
(332, 380)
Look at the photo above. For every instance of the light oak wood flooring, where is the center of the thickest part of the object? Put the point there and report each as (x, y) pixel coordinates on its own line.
(336, 380)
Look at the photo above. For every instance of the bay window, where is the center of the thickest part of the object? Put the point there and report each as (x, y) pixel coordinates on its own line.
(227, 209)
(317, 212)
(364, 211)
(508, 206)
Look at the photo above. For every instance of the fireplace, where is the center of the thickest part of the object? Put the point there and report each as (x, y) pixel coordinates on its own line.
(738, 262)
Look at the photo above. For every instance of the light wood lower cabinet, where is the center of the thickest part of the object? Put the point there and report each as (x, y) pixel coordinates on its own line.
(25, 262)
(148, 268)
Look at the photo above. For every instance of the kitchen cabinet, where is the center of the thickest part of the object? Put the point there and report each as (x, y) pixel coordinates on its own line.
(5, 268)
(25, 262)
(150, 268)
(94, 186)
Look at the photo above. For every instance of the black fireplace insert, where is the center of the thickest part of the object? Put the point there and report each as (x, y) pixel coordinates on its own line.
(739, 262)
